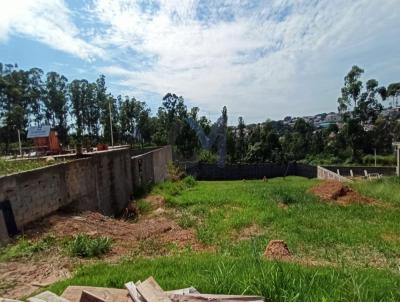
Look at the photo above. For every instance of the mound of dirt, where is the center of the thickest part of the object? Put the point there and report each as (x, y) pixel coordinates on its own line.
(336, 191)
(277, 249)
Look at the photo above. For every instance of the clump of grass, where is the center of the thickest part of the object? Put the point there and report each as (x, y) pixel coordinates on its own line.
(186, 220)
(26, 248)
(173, 188)
(174, 172)
(85, 246)
(284, 195)
(143, 206)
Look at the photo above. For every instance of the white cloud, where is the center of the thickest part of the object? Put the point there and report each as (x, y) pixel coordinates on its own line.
(260, 58)
(280, 58)
(47, 21)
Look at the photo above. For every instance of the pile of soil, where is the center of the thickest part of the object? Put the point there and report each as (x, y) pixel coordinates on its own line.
(336, 191)
(277, 249)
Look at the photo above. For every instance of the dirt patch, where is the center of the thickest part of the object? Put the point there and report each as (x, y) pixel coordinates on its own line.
(248, 232)
(340, 193)
(277, 249)
(19, 278)
(391, 237)
(127, 236)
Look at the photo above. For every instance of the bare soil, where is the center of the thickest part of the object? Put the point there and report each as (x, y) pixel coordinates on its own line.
(277, 249)
(340, 193)
(22, 277)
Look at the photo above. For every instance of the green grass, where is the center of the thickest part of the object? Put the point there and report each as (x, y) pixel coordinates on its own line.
(340, 253)
(26, 248)
(211, 273)
(85, 246)
(386, 189)
(14, 166)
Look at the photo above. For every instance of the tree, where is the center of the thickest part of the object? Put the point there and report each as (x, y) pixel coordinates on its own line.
(368, 106)
(176, 112)
(75, 93)
(35, 93)
(351, 90)
(15, 101)
(56, 104)
(241, 139)
(133, 120)
(393, 91)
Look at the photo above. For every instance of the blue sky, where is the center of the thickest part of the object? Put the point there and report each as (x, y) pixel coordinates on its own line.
(262, 59)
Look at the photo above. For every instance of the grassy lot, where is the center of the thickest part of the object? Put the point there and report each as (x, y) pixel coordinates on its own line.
(8, 166)
(341, 253)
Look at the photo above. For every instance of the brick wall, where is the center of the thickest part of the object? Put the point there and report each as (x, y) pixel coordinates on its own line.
(104, 182)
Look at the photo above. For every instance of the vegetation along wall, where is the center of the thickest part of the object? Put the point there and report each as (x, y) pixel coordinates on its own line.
(102, 182)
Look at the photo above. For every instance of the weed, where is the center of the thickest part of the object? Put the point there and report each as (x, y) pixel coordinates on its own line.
(85, 246)
(143, 206)
(26, 248)
(186, 220)
(174, 172)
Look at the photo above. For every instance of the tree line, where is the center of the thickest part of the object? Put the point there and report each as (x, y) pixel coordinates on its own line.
(81, 110)
(362, 129)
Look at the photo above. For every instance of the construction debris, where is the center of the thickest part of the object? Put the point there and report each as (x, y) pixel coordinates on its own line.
(146, 291)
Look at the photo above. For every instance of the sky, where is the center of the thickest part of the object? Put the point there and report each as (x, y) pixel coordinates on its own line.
(262, 59)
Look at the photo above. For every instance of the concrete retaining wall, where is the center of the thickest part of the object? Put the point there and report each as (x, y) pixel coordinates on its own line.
(151, 167)
(203, 171)
(330, 175)
(104, 182)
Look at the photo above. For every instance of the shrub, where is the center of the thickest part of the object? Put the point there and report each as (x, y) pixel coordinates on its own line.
(208, 157)
(189, 181)
(143, 206)
(85, 246)
(381, 160)
(174, 172)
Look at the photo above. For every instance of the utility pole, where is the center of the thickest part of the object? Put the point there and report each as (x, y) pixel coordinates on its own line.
(375, 156)
(397, 146)
(19, 142)
(111, 129)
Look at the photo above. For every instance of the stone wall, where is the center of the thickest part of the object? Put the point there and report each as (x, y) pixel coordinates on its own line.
(104, 182)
